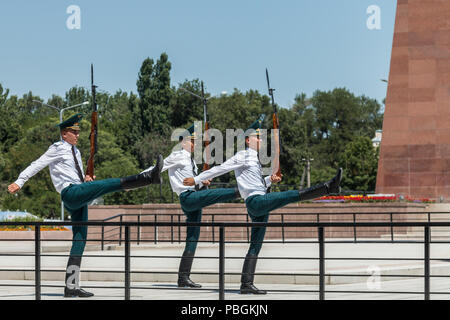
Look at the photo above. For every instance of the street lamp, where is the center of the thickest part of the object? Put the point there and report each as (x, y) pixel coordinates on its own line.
(62, 109)
(308, 171)
(60, 120)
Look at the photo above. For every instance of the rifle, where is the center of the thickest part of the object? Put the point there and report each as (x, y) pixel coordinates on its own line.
(276, 169)
(93, 134)
(205, 120)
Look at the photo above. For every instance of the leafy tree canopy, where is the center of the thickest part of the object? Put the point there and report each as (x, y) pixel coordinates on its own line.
(332, 127)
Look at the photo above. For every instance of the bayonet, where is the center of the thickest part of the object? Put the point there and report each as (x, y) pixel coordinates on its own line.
(94, 128)
(276, 167)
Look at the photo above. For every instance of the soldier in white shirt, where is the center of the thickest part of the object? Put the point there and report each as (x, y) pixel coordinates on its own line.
(77, 190)
(253, 189)
(181, 165)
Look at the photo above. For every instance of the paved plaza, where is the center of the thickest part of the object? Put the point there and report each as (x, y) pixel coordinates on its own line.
(288, 271)
(53, 290)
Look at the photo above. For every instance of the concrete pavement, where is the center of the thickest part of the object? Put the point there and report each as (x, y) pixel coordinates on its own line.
(389, 290)
(287, 271)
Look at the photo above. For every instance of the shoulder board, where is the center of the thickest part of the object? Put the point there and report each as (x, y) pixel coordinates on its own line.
(245, 151)
(241, 154)
(60, 145)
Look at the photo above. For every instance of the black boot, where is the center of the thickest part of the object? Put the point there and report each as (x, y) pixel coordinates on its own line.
(185, 271)
(72, 288)
(145, 178)
(248, 274)
(334, 184)
(322, 189)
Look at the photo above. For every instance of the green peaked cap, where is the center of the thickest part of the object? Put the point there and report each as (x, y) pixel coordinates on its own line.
(256, 126)
(188, 133)
(72, 123)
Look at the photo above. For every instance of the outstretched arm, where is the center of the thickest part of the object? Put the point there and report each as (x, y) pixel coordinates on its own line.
(51, 155)
(231, 164)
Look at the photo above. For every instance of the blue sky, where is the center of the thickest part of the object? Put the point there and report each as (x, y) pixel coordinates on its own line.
(305, 44)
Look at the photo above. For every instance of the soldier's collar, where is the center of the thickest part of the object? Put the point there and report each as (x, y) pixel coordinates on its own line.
(250, 150)
(186, 152)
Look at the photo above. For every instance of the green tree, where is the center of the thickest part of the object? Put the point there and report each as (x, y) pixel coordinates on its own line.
(118, 119)
(340, 116)
(134, 130)
(333, 127)
(360, 161)
(9, 126)
(38, 195)
(77, 95)
(238, 110)
(293, 145)
(186, 108)
(155, 94)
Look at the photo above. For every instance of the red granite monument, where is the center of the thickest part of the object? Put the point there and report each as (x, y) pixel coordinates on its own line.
(415, 149)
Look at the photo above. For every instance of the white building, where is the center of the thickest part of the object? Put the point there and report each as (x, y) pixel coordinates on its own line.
(377, 140)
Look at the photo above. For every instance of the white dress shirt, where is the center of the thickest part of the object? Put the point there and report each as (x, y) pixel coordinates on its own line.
(59, 159)
(248, 172)
(180, 166)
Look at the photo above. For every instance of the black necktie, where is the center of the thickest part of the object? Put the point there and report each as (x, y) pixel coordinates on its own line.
(80, 174)
(262, 178)
(193, 172)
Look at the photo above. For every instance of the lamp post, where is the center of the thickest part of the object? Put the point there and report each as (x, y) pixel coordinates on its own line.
(60, 120)
(308, 171)
(62, 109)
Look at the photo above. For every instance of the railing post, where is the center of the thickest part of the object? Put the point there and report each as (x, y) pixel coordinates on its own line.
(156, 229)
(221, 263)
(392, 228)
(321, 264)
(282, 227)
(103, 236)
(427, 262)
(213, 231)
(120, 232)
(37, 261)
(171, 227)
(139, 229)
(127, 262)
(354, 227)
(179, 229)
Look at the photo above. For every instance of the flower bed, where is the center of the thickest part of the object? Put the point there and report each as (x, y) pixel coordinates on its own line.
(32, 228)
(371, 198)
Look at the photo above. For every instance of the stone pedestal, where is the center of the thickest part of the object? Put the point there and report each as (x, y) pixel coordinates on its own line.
(415, 149)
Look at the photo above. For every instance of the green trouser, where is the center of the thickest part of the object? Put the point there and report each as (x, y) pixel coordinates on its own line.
(259, 207)
(76, 198)
(192, 203)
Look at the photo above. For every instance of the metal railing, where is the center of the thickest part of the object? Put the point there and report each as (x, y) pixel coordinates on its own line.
(320, 227)
(282, 217)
